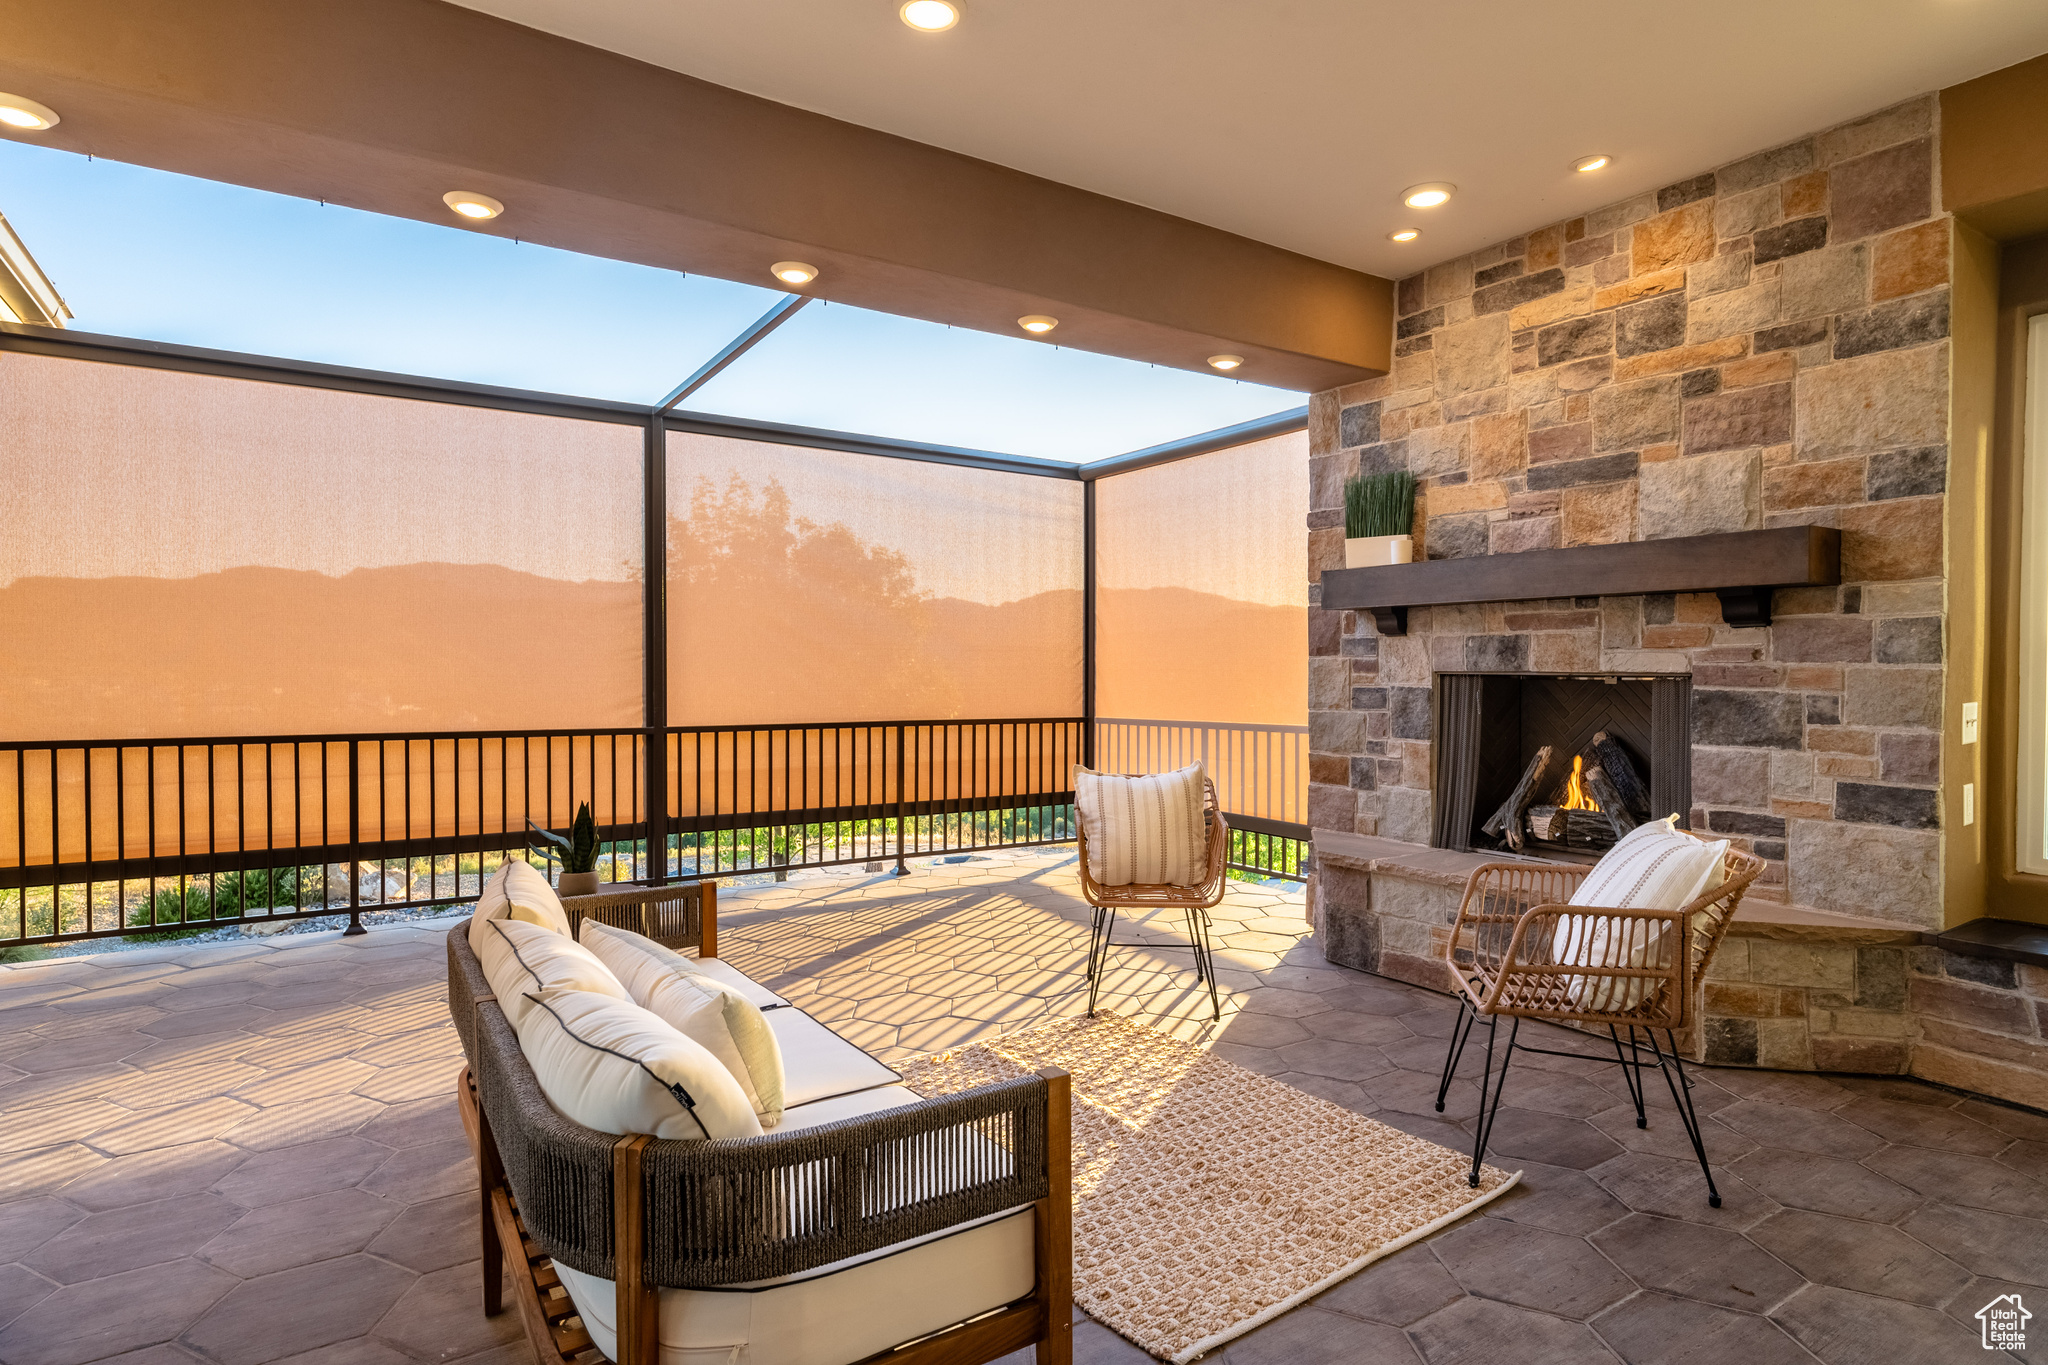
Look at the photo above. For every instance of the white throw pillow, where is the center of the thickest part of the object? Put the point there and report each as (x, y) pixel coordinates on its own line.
(608, 1064)
(520, 960)
(706, 1010)
(1654, 867)
(1147, 830)
(531, 898)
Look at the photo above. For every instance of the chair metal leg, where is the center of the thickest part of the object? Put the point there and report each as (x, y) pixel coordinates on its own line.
(1098, 954)
(1631, 1075)
(1205, 964)
(1460, 1031)
(1500, 1084)
(1681, 1095)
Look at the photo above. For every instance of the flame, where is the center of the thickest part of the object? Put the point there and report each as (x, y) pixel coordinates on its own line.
(1576, 797)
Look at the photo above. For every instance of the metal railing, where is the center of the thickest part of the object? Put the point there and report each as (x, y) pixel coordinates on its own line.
(1261, 776)
(108, 837)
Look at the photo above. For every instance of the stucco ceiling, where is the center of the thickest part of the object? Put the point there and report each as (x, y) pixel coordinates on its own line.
(1298, 122)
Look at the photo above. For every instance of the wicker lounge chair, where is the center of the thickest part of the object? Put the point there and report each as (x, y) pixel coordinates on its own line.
(1633, 969)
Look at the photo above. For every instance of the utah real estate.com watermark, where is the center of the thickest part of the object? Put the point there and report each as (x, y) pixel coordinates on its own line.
(2005, 1323)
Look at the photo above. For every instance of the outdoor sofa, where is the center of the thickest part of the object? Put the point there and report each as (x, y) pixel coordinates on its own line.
(867, 1218)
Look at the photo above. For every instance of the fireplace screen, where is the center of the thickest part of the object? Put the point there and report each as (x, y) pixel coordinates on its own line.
(1558, 765)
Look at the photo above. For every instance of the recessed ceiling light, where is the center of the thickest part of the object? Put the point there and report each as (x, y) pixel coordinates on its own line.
(473, 205)
(17, 111)
(1038, 324)
(1591, 163)
(1427, 196)
(1403, 235)
(930, 16)
(794, 272)
(1226, 362)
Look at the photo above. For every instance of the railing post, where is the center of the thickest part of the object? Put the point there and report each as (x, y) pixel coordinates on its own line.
(902, 783)
(355, 843)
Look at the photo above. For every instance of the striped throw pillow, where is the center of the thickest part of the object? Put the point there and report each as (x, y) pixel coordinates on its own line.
(1144, 830)
(1655, 867)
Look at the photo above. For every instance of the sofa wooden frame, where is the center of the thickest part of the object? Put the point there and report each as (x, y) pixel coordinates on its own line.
(1036, 1110)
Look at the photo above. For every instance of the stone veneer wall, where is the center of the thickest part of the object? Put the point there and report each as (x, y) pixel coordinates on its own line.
(1761, 345)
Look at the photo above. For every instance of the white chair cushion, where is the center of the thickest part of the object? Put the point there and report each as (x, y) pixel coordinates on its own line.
(716, 1016)
(524, 959)
(1654, 867)
(818, 1064)
(608, 1064)
(531, 898)
(1147, 830)
(838, 1313)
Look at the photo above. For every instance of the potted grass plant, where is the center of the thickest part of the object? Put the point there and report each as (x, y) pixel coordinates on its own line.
(577, 851)
(1379, 513)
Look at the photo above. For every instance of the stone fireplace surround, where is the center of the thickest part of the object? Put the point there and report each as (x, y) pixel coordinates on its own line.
(1795, 987)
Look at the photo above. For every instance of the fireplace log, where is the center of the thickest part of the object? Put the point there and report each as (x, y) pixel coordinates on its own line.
(1601, 787)
(1506, 822)
(1547, 822)
(1587, 829)
(1621, 771)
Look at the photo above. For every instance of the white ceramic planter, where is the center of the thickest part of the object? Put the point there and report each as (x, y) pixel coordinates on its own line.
(1368, 552)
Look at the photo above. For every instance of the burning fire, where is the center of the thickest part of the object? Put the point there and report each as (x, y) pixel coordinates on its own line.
(1576, 797)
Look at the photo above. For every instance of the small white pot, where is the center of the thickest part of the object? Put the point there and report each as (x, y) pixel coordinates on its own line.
(1369, 552)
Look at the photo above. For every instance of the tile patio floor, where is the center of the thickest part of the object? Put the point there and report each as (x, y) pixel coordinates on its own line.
(248, 1153)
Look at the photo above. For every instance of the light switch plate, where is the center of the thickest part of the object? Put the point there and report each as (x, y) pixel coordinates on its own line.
(1969, 725)
(1970, 801)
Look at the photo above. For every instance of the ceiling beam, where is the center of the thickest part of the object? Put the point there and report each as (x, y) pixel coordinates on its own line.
(387, 104)
(733, 350)
(1223, 438)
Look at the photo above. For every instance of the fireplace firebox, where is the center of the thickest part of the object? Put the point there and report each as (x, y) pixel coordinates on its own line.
(1558, 766)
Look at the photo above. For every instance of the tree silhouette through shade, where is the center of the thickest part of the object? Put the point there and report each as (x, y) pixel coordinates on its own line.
(775, 617)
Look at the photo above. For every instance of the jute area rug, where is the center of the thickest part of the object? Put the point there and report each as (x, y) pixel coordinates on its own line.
(1207, 1198)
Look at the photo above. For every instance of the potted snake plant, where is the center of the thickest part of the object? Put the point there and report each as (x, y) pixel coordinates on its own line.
(1379, 513)
(577, 851)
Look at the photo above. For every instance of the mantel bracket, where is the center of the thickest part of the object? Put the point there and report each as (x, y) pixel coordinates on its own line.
(1389, 620)
(1745, 608)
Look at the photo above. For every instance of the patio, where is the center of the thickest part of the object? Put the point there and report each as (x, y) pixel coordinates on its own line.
(247, 1152)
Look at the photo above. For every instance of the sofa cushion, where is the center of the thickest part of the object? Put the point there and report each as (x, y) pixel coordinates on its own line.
(858, 1104)
(1147, 830)
(491, 903)
(718, 969)
(717, 1016)
(531, 898)
(837, 1313)
(817, 1063)
(522, 959)
(610, 1065)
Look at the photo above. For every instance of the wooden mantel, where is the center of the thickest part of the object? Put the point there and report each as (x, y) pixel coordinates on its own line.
(1742, 567)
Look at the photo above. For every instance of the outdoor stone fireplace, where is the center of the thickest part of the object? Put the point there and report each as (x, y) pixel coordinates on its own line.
(1761, 346)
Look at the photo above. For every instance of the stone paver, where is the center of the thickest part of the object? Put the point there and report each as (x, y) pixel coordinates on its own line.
(245, 1153)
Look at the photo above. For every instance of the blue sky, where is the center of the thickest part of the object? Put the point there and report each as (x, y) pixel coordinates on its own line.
(144, 253)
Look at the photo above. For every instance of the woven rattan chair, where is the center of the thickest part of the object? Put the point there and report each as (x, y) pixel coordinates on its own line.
(1193, 902)
(1503, 960)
